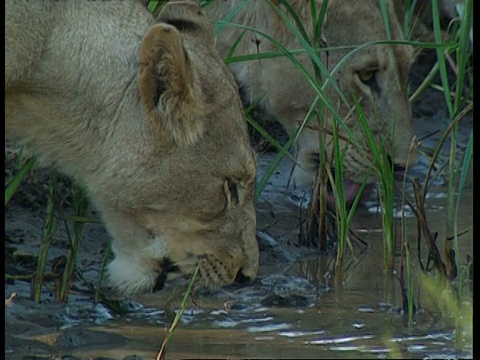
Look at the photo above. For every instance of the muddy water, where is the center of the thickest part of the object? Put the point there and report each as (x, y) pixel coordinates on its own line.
(293, 310)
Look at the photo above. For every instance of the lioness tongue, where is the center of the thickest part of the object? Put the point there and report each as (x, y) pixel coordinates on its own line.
(351, 190)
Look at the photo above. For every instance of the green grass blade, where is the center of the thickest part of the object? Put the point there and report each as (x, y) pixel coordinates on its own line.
(163, 350)
(48, 231)
(13, 185)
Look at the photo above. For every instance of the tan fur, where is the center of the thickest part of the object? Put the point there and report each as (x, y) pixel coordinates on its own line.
(287, 95)
(146, 114)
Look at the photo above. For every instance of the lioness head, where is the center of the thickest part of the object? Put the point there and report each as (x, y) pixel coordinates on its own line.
(164, 151)
(375, 76)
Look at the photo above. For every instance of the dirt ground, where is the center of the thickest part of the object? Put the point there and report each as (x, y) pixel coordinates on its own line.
(25, 214)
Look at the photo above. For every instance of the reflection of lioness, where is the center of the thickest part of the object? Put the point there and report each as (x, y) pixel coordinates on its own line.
(375, 75)
(153, 127)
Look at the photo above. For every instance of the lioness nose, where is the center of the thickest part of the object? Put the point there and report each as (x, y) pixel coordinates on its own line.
(405, 155)
(399, 165)
(249, 268)
(241, 278)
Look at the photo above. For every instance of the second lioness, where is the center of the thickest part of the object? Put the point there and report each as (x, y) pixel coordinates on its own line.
(376, 76)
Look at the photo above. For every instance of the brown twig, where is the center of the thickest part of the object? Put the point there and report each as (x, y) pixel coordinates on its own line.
(422, 226)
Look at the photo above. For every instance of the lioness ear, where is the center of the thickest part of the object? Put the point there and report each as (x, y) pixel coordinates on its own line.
(166, 87)
(188, 17)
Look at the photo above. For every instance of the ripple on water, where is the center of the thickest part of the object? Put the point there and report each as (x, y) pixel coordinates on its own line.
(338, 340)
(269, 327)
(295, 334)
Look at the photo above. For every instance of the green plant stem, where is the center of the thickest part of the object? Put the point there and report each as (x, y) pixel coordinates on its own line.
(103, 267)
(48, 231)
(410, 294)
(162, 352)
(81, 203)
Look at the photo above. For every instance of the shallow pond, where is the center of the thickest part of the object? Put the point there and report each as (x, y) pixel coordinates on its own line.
(293, 310)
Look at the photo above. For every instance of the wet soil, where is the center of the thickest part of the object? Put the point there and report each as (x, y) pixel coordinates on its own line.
(293, 309)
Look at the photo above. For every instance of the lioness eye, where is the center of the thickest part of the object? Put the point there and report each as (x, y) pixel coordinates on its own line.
(231, 191)
(367, 75)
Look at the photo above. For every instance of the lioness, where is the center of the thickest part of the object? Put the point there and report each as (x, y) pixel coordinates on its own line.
(145, 113)
(375, 76)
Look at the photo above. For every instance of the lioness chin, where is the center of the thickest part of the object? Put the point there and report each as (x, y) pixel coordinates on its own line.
(144, 112)
(374, 76)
